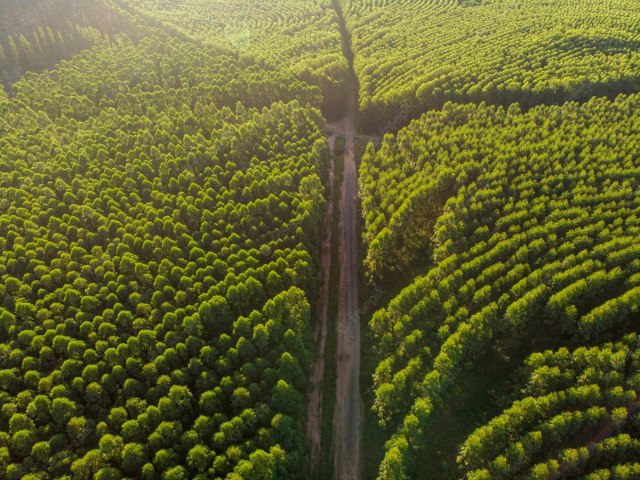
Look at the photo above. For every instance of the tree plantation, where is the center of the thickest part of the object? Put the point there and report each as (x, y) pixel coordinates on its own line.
(531, 223)
(319, 239)
(37, 34)
(588, 392)
(412, 55)
(158, 232)
(298, 36)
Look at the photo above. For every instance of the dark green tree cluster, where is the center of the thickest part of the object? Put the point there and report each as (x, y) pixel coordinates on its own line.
(579, 419)
(412, 56)
(301, 37)
(532, 222)
(159, 204)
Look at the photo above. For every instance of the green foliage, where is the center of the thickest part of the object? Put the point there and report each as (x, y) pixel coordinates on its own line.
(155, 264)
(579, 418)
(529, 222)
(162, 200)
(413, 56)
(36, 35)
(133, 457)
(301, 37)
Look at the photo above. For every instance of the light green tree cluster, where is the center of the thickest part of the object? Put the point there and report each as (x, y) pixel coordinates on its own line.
(158, 231)
(411, 56)
(529, 223)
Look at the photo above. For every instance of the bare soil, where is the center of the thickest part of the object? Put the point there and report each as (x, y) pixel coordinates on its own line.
(347, 420)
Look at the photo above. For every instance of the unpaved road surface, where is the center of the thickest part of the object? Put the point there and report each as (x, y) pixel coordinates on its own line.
(348, 413)
(314, 399)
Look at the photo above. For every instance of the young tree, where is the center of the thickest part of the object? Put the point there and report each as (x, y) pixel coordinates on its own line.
(133, 457)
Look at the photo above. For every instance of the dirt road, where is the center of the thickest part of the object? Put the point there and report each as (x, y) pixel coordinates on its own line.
(314, 399)
(347, 420)
(348, 413)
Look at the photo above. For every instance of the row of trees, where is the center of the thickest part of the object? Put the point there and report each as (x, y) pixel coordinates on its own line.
(160, 204)
(300, 37)
(29, 16)
(413, 56)
(531, 222)
(579, 417)
(37, 35)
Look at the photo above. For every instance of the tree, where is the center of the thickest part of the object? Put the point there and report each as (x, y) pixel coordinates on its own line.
(13, 48)
(20, 421)
(289, 369)
(199, 458)
(133, 457)
(176, 473)
(111, 447)
(79, 431)
(62, 409)
(21, 442)
(39, 409)
(260, 466)
(164, 459)
(108, 473)
(182, 400)
(149, 472)
(209, 402)
(40, 453)
(117, 416)
(241, 399)
(132, 431)
(25, 310)
(88, 466)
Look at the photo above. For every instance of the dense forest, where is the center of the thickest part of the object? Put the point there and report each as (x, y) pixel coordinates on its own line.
(413, 55)
(160, 204)
(298, 36)
(530, 222)
(37, 34)
(587, 393)
(189, 190)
